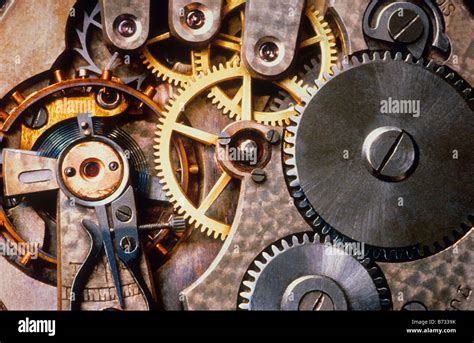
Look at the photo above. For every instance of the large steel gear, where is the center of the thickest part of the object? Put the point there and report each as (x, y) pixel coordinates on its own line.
(391, 179)
(301, 273)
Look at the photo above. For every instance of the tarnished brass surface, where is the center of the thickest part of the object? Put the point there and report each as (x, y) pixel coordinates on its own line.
(40, 43)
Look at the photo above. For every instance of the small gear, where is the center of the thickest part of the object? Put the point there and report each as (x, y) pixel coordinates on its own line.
(378, 167)
(199, 58)
(302, 273)
(296, 89)
(173, 75)
(292, 86)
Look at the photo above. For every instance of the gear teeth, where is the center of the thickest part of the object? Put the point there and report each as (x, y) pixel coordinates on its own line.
(355, 60)
(163, 72)
(163, 137)
(398, 56)
(265, 258)
(294, 186)
(329, 57)
(275, 250)
(376, 57)
(366, 58)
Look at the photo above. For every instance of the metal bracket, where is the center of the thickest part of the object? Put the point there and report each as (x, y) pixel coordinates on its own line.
(407, 23)
(195, 22)
(26, 172)
(271, 36)
(126, 23)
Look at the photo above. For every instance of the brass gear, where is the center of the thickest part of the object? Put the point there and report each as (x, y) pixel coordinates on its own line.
(170, 124)
(295, 87)
(201, 62)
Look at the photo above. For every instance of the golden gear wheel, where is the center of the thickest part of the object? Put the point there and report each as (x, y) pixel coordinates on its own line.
(201, 61)
(323, 37)
(170, 124)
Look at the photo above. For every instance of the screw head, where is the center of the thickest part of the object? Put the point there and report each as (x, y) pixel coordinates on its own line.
(126, 26)
(269, 51)
(108, 99)
(273, 137)
(113, 166)
(124, 214)
(405, 26)
(259, 176)
(195, 19)
(70, 172)
(391, 154)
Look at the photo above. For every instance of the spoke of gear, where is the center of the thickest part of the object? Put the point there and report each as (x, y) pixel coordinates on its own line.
(302, 273)
(389, 179)
(170, 124)
(292, 85)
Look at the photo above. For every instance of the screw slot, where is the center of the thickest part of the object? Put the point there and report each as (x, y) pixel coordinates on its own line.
(405, 26)
(259, 176)
(273, 137)
(124, 214)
